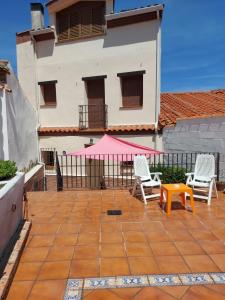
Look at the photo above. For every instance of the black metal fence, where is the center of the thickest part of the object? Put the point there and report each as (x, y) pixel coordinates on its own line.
(78, 172)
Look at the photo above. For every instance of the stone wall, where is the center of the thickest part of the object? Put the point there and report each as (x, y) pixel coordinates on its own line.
(197, 135)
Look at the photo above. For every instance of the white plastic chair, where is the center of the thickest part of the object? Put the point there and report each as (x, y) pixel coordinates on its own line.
(144, 178)
(203, 177)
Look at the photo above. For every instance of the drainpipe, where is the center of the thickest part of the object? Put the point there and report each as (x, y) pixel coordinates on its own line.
(5, 127)
(158, 79)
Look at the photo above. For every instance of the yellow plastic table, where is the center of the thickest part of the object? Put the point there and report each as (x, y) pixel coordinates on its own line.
(177, 188)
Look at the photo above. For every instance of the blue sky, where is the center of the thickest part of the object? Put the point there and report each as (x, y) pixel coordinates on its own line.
(193, 40)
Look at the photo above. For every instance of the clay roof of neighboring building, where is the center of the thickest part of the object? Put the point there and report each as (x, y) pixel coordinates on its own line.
(110, 129)
(4, 66)
(4, 86)
(184, 105)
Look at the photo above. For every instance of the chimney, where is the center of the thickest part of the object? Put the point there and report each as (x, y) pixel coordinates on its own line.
(37, 15)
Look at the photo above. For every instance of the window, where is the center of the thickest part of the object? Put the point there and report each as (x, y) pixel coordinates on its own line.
(48, 158)
(132, 89)
(126, 168)
(3, 76)
(84, 19)
(48, 93)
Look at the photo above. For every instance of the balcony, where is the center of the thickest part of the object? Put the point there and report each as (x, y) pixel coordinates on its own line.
(93, 116)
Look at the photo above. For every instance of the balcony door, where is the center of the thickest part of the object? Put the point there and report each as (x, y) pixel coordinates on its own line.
(96, 103)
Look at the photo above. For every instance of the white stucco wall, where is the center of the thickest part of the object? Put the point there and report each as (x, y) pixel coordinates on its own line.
(74, 143)
(19, 132)
(122, 49)
(197, 135)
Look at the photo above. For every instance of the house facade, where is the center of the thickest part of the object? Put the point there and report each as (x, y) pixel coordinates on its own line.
(92, 71)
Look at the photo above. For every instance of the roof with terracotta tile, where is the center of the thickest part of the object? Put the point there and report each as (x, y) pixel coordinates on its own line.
(184, 105)
(4, 66)
(110, 129)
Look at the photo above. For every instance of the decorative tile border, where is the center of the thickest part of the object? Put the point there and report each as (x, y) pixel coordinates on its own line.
(74, 289)
(193, 279)
(75, 286)
(164, 280)
(19, 239)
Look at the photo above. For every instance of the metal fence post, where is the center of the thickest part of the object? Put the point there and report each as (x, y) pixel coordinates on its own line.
(59, 178)
(218, 166)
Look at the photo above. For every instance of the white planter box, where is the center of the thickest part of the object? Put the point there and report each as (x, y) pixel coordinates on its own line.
(11, 208)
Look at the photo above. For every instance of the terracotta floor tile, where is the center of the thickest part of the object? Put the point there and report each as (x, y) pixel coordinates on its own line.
(54, 270)
(112, 250)
(213, 247)
(152, 225)
(219, 288)
(180, 235)
(114, 266)
(42, 241)
(19, 290)
(65, 240)
(175, 291)
(48, 290)
(189, 247)
(202, 235)
(172, 264)
(143, 265)
(60, 253)
(134, 236)
(158, 236)
(202, 293)
(27, 271)
(219, 260)
(110, 227)
(127, 293)
(138, 249)
(90, 227)
(42, 229)
(131, 226)
(200, 263)
(102, 295)
(148, 293)
(86, 251)
(84, 268)
(163, 248)
(88, 238)
(69, 228)
(34, 254)
(112, 237)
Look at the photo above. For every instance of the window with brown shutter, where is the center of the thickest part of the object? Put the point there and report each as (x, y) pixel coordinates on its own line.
(132, 89)
(83, 19)
(48, 91)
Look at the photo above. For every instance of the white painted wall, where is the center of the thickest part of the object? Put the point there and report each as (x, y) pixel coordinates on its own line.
(19, 135)
(197, 135)
(74, 143)
(122, 49)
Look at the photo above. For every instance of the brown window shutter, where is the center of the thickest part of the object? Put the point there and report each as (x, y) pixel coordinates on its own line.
(97, 20)
(86, 21)
(132, 91)
(63, 27)
(74, 25)
(49, 93)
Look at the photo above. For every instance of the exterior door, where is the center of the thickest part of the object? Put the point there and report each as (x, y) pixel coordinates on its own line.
(96, 103)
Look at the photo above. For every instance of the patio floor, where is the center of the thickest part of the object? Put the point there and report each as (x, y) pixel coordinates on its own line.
(72, 237)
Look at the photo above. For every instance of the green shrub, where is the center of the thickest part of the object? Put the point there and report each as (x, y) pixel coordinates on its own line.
(7, 169)
(170, 174)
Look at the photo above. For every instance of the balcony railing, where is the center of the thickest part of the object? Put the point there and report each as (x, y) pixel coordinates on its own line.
(93, 116)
